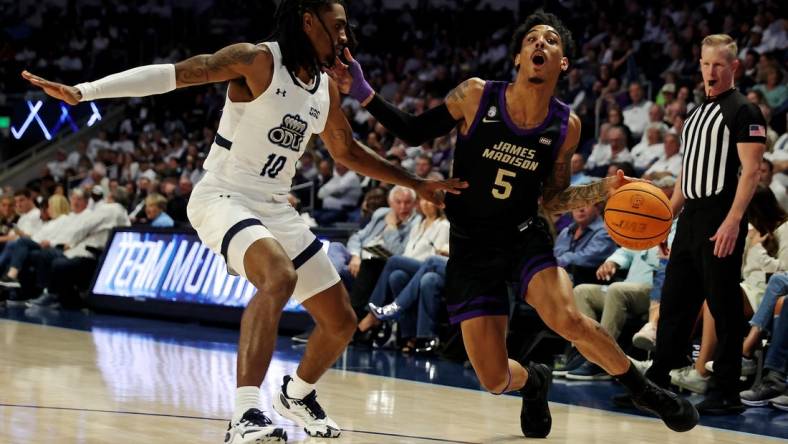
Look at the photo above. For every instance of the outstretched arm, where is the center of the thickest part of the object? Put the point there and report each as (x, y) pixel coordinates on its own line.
(413, 129)
(338, 137)
(558, 196)
(232, 62)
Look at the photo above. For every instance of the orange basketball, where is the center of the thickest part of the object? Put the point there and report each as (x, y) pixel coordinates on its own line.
(638, 216)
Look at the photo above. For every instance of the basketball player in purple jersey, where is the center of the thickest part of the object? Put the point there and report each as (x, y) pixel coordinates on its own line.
(514, 148)
(277, 98)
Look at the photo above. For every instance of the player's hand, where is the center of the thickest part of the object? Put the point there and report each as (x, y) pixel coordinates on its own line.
(606, 271)
(725, 237)
(350, 79)
(354, 265)
(340, 73)
(619, 180)
(66, 93)
(434, 191)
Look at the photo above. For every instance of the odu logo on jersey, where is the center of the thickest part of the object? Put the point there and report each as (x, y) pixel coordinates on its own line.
(290, 133)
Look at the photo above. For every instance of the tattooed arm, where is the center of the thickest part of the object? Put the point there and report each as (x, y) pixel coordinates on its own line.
(241, 60)
(338, 137)
(558, 196)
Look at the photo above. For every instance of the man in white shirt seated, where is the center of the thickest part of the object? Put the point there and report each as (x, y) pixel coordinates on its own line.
(603, 155)
(636, 115)
(670, 162)
(123, 144)
(62, 274)
(340, 194)
(57, 167)
(650, 148)
(29, 216)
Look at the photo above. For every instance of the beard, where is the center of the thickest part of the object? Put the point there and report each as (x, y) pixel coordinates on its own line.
(536, 80)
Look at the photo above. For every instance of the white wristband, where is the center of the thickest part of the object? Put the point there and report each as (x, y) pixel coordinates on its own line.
(137, 82)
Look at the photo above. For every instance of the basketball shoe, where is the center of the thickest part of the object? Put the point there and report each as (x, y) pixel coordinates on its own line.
(535, 418)
(254, 428)
(306, 412)
(676, 412)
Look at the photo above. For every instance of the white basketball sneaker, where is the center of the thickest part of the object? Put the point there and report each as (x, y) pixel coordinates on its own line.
(254, 428)
(306, 412)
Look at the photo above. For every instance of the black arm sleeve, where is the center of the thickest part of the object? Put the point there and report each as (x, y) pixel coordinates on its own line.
(414, 130)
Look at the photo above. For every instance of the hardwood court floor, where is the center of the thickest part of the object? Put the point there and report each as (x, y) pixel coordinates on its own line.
(108, 386)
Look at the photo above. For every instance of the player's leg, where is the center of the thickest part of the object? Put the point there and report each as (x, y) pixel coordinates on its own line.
(549, 291)
(270, 270)
(320, 291)
(485, 343)
(228, 227)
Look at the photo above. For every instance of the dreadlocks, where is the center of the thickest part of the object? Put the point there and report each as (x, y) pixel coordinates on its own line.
(297, 50)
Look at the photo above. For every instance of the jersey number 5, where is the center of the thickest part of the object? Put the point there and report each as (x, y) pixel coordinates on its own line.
(503, 189)
(273, 165)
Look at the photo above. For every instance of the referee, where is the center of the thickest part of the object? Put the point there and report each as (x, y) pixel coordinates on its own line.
(723, 143)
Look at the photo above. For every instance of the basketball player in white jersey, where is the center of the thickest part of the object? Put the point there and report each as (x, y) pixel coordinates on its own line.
(277, 98)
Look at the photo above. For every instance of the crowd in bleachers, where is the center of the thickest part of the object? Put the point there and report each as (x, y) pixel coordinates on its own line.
(632, 82)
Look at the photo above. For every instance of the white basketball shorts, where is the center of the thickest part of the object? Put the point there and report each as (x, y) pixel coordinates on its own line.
(229, 222)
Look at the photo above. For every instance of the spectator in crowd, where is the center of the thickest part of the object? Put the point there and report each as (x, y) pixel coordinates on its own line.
(766, 252)
(29, 216)
(636, 114)
(155, 211)
(650, 148)
(613, 303)
(61, 273)
(771, 388)
(767, 180)
(176, 205)
(50, 234)
(616, 120)
(603, 154)
(388, 230)
(774, 89)
(339, 196)
(8, 218)
(670, 162)
(428, 237)
(584, 245)
(59, 166)
(579, 176)
(373, 199)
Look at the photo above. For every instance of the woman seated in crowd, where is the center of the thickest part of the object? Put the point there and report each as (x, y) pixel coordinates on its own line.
(427, 239)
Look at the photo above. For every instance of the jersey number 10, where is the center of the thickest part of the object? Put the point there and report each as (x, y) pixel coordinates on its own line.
(273, 166)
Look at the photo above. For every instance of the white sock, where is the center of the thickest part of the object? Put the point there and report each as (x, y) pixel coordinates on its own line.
(297, 388)
(246, 398)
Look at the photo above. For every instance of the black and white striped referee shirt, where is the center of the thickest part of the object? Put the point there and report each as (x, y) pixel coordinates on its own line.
(711, 160)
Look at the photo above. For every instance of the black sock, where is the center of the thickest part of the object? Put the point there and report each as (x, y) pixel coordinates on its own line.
(633, 380)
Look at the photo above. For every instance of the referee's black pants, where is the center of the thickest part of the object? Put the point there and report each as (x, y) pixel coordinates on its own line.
(693, 275)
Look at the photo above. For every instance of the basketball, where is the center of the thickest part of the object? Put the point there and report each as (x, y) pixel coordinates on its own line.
(638, 216)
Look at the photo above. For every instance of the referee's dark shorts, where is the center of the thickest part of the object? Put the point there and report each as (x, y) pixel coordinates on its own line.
(695, 274)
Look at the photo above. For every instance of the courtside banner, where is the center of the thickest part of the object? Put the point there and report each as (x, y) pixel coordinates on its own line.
(167, 265)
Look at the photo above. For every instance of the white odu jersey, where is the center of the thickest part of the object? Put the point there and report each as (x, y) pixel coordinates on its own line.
(259, 142)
